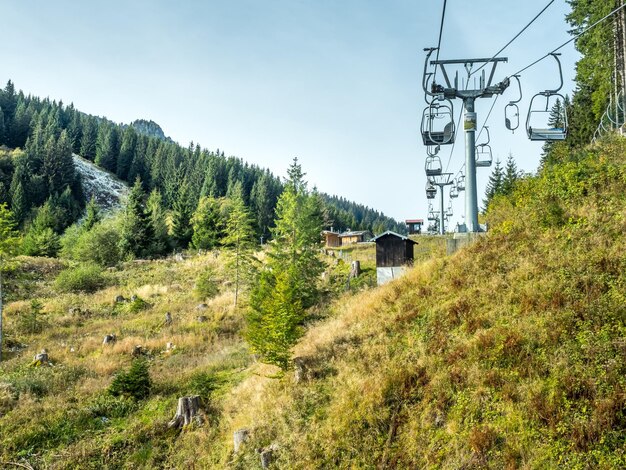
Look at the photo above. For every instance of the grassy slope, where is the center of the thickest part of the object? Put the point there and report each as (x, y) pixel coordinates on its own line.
(509, 354)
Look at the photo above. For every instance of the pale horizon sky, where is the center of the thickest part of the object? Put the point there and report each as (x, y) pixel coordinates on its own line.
(335, 83)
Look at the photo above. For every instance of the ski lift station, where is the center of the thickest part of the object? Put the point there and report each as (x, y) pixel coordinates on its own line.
(394, 253)
(414, 226)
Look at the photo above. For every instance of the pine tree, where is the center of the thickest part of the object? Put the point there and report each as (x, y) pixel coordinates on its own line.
(89, 138)
(93, 214)
(207, 224)
(239, 241)
(181, 217)
(494, 186)
(2, 128)
(9, 245)
(158, 223)
(127, 152)
(106, 149)
(289, 283)
(136, 231)
(511, 175)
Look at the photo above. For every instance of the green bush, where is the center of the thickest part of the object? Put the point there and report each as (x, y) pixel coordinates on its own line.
(99, 245)
(83, 278)
(30, 322)
(41, 242)
(109, 406)
(135, 383)
(206, 285)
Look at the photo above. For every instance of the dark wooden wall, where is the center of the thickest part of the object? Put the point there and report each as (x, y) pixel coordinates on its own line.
(392, 251)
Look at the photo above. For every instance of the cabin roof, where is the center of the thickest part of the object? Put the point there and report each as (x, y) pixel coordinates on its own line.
(392, 234)
(353, 233)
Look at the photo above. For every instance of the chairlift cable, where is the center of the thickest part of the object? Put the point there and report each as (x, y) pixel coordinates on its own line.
(516, 36)
(443, 17)
(569, 40)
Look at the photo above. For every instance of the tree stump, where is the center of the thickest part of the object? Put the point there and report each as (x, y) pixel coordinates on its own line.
(202, 318)
(168, 319)
(187, 411)
(119, 299)
(239, 437)
(355, 269)
(202, 307)
(137, 351)
(300, 369)
(109, 339)
(169, 346)
(267, 455)
(133, 297)
(41, 358)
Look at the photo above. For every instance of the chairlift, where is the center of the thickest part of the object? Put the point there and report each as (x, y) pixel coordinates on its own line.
(433, 166)
(431, 191)
(454, 192)
(460, 182)
(432, 215)
(511, 110)
(484, 156)
(543, 114)
(438, 126)
(449, 212)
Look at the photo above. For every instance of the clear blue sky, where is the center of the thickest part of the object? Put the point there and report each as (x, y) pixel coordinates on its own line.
(336, 83)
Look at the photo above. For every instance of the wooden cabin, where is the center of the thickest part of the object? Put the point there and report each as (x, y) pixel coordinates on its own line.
(414, 226)
(394, 252)
(331, 239)
(349, 237)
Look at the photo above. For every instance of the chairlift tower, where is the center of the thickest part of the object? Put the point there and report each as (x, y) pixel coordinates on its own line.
(442, 180)
(451, 89)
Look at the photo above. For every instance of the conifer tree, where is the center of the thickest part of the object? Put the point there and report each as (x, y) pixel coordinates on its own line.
(2, 128)
(93, 214)
(511, 175)
(494, 186)
(181, 217)
(239, 241)
(158, 223)
(106, 149)
(207, 224)
(127, 152)
(89, 138)
(136, 230)
(289, 283)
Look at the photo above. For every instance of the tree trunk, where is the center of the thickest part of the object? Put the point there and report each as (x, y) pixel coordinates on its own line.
(109, 339)
(186, 412)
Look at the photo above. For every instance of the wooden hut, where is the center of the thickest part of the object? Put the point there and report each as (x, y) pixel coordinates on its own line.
(414, 226)
(349, 237)
(331, 239)
(394, 253)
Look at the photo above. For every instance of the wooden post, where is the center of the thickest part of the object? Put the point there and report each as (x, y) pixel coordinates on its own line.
(168, 319)
(186, 412)
(355, 269)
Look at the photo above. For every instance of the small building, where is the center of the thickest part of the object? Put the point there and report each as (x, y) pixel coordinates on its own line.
(414, 226)
(349, 237)
(394, 252)
(331, 239)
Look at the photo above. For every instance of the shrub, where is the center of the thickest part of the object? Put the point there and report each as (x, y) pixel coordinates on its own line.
(109, 406)
(83, 278)
(30, 322)
(98, 245)
(206, 285)
(41, 242)
(135, 383)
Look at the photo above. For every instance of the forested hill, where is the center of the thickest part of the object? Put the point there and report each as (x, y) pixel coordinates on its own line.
(49, 132)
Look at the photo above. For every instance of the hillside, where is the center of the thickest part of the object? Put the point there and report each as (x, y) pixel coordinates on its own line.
(508, 354)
